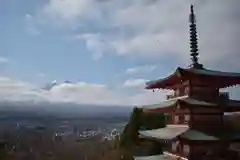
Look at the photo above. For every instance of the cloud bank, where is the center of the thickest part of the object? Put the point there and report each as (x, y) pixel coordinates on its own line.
(149, 29)
(79, 93)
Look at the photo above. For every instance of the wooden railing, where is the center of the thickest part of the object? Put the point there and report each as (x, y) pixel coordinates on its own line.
(175, 95)
(223, 95)
(170, 96)
(185, 120)
(175, 155)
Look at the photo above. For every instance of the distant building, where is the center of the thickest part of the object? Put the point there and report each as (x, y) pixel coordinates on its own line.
(58, 138)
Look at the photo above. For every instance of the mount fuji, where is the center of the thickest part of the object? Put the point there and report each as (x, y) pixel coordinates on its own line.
(49, 86)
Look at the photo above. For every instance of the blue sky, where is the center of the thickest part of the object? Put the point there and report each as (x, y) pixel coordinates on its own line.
(52, 52)
(116, 45)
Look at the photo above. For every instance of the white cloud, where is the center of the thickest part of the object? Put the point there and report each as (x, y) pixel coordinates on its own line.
(147, 97)
(94, 43)
(80, 93)
(152, 28)
(83, 93)
(16, 90)
(31, 26)
(4, 60)
(141, 69)
(70, 9)
(135, 83)
(69, 13)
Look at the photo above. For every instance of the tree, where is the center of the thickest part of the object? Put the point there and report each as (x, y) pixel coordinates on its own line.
(130, 132)
(139, 119)
(3, 152)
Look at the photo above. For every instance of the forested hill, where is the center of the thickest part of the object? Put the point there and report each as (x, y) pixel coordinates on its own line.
(140, 120)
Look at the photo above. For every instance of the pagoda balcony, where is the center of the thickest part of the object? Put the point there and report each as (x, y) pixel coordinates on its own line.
(170, 122)
(171, 96)
(178, 93)
(223, 96)
(183, 120)
(174, 154)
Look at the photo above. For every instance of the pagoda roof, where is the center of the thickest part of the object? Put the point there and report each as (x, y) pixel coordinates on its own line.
(220, 79)
(166, 133)
(230, 105)
(171, 132)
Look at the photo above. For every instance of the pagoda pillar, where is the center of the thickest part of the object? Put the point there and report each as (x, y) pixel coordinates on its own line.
(181, 118)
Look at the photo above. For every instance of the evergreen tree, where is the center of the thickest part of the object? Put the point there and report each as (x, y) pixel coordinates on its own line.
(140, 120)
(130, 132)
(3, 152)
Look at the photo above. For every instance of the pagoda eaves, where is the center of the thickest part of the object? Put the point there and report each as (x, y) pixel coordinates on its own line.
(190, 103)
(209, 134)
(215, 78)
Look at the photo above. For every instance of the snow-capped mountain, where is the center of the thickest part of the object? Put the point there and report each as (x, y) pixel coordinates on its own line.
(49, 86)
(54, 83)
(44, 101)
(68, 82)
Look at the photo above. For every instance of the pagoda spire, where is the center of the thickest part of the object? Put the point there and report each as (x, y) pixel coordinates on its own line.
(193, 40)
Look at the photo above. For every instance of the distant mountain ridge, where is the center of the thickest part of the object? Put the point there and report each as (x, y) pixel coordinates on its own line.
(61, 109)
(54, 83)
(64, 109)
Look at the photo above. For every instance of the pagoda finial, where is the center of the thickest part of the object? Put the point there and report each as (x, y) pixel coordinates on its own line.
(193, 40)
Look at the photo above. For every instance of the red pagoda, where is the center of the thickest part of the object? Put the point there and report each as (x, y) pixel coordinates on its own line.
(196, 128)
